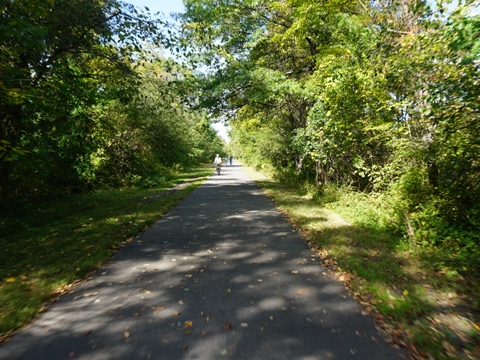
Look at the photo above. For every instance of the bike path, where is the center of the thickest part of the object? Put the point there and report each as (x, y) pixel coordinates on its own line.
(221, 276)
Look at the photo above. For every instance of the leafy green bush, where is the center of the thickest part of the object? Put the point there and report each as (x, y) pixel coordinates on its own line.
(366, 210)
(456, 245)
(147, 182)
(287, 176)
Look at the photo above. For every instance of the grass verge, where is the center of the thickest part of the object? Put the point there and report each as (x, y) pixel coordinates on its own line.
(46, 247)
(429, 313)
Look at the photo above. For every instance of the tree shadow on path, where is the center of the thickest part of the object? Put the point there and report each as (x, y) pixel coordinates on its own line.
(223, 275)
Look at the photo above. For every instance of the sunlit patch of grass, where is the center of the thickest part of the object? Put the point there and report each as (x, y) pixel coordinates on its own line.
(47, 246)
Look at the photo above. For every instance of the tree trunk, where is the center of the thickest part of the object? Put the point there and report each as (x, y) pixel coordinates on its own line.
(5, 167)
(299, 164)
(320, 174)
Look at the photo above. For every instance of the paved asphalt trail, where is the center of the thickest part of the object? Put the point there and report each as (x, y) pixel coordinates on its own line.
(222, 276)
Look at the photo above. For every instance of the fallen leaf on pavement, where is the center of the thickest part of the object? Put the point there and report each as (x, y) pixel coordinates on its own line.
(157, 308)
(303, 291)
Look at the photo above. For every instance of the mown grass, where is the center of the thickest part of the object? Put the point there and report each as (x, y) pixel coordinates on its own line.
(427, 312)
(45, 247)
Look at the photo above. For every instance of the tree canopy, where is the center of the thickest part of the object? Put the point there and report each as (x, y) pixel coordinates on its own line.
(381, 96)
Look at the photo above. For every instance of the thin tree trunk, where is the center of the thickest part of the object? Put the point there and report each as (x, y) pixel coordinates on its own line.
(320, 174)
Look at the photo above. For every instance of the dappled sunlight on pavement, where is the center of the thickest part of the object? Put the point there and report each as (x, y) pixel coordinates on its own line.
(222, 276)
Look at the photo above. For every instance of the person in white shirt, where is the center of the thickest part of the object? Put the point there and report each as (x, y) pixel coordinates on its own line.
(218, 163)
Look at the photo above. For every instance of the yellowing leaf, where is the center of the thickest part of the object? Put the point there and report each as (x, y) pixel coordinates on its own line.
(188, 324)
(10, 279)
(405, 293)
(158, 308)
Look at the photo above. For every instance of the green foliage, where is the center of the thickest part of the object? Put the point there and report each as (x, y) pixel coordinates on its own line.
(455, 113)
(365, 210)
(80, 107)
(456, 245)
